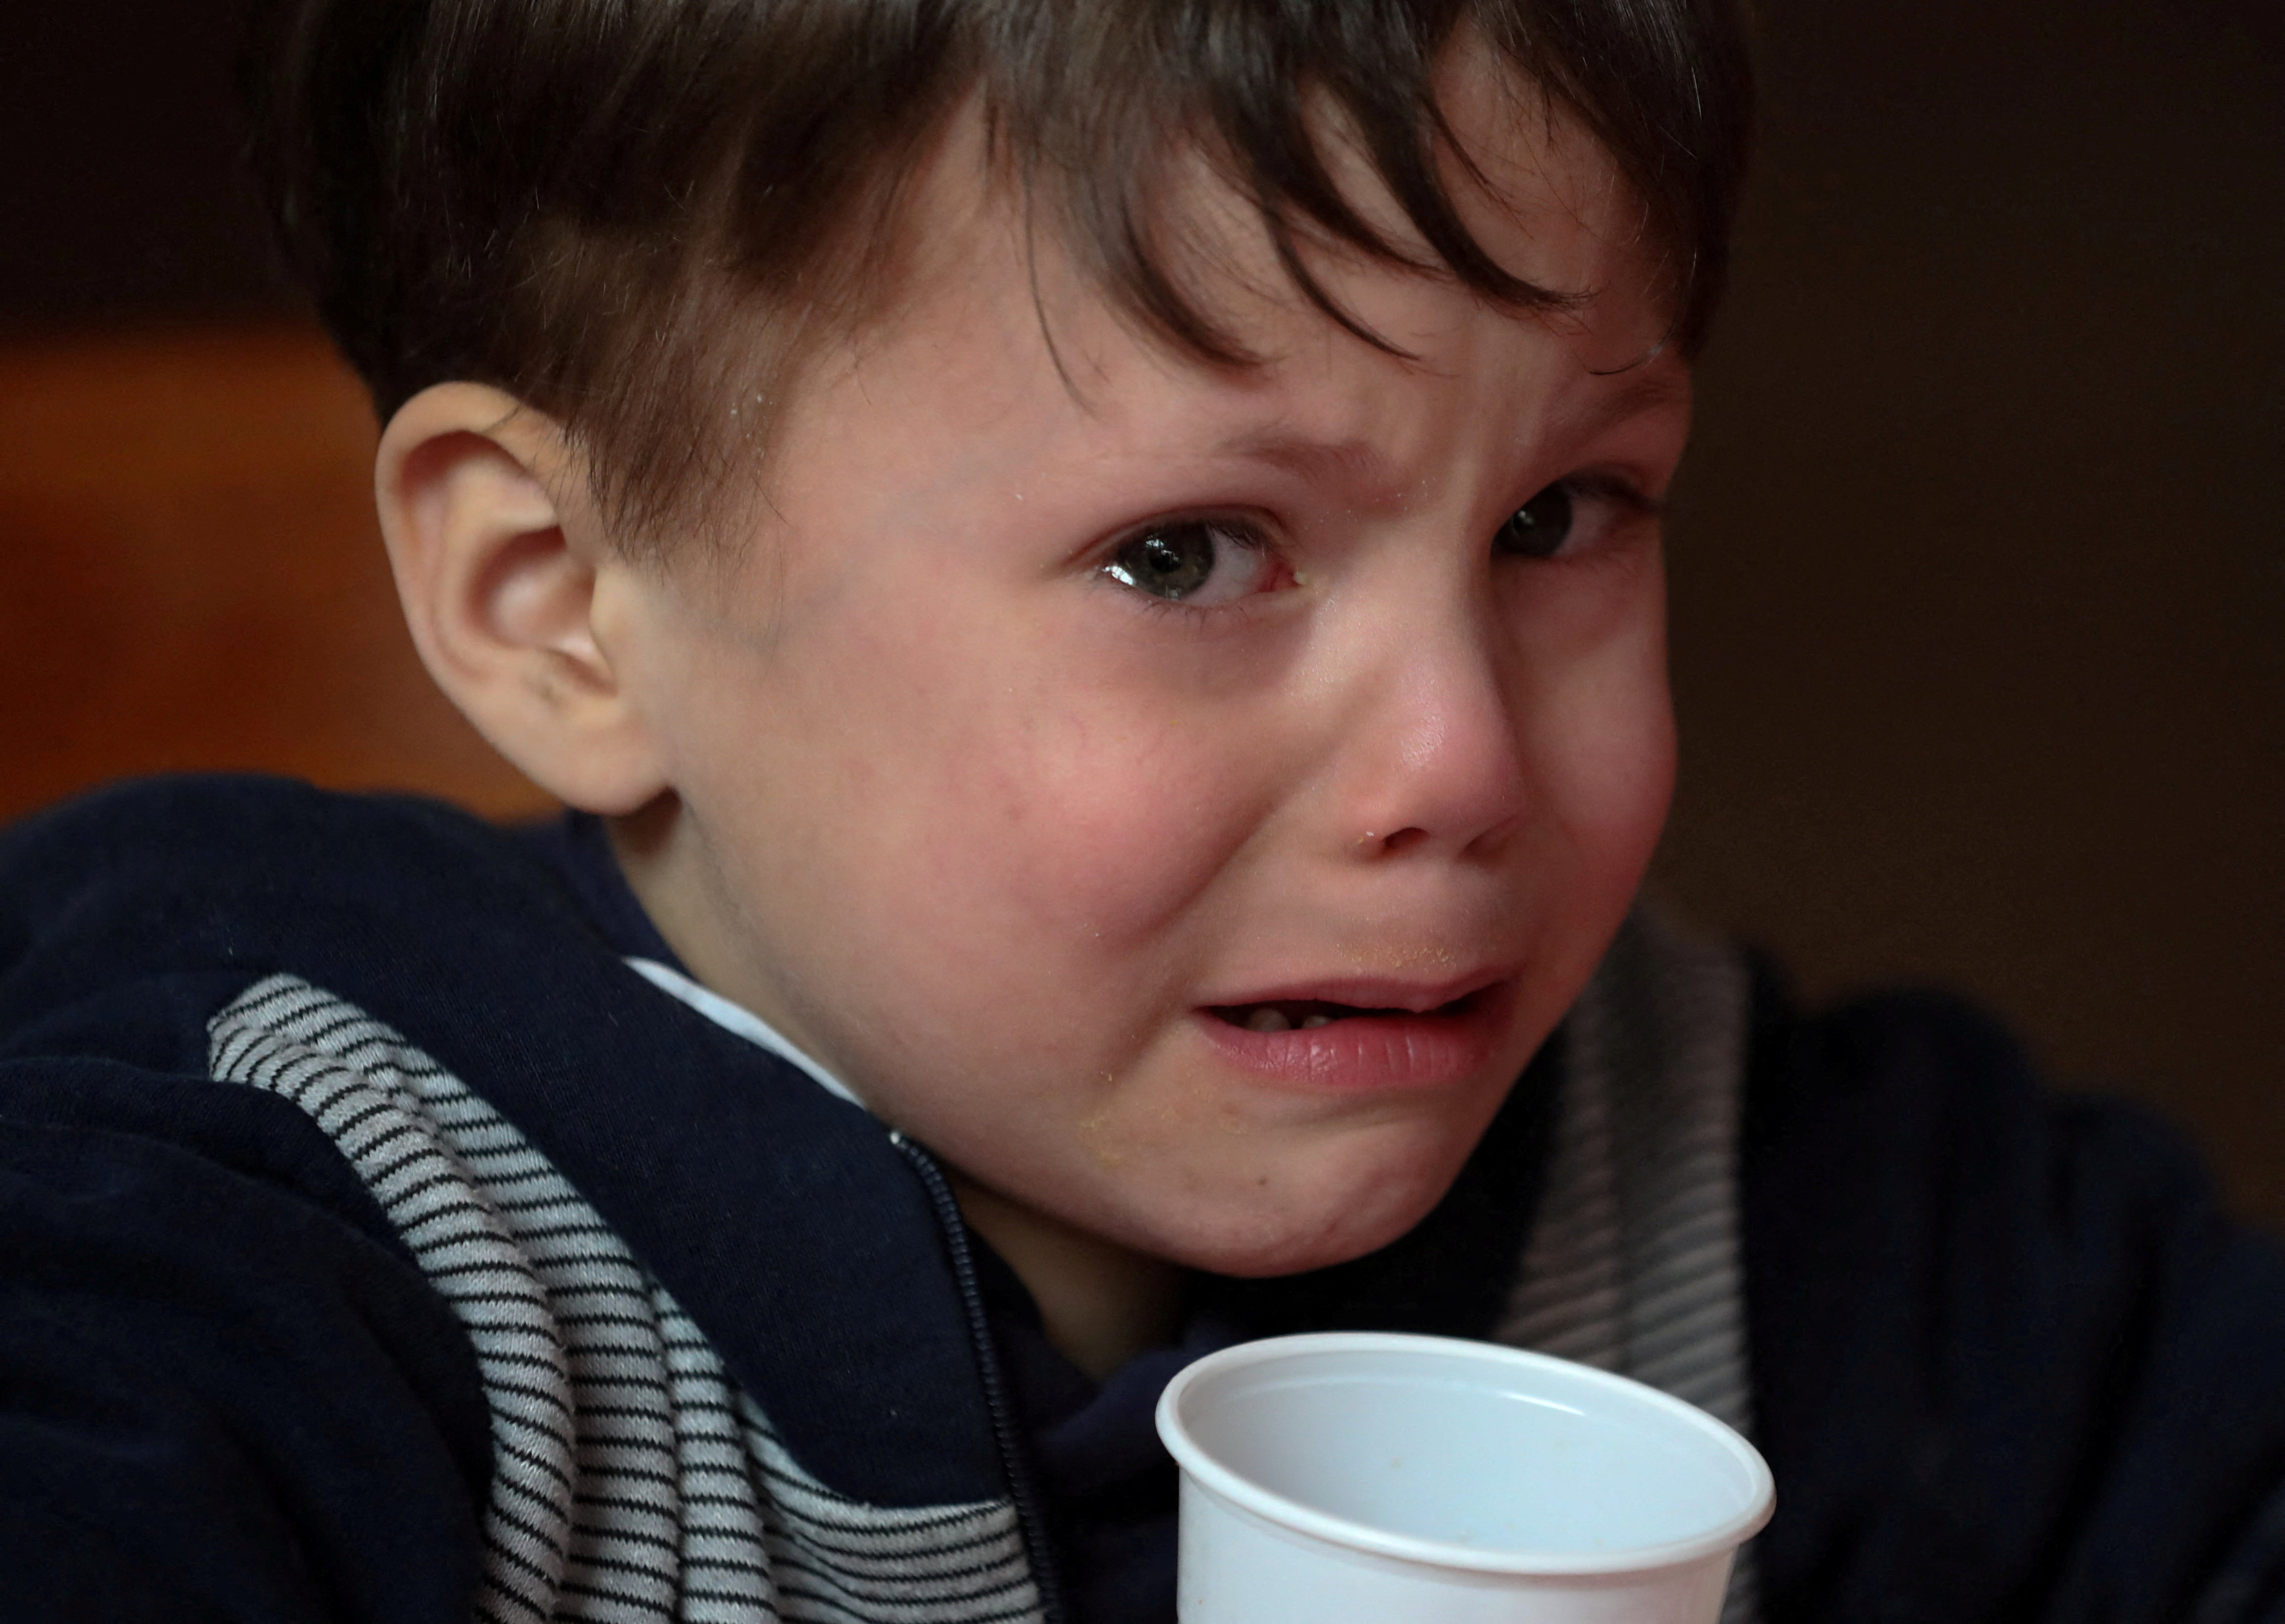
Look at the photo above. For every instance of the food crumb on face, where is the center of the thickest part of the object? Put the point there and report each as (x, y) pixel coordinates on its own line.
(1094, 1132)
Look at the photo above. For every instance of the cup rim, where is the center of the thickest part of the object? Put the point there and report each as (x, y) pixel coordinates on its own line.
(1212, 1475)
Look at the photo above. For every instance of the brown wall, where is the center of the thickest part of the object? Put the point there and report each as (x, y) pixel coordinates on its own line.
(1978, 559)
(1980, 562)
(195, 579)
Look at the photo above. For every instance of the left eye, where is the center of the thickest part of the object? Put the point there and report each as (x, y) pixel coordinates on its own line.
(1195, 561)
(1539, 528)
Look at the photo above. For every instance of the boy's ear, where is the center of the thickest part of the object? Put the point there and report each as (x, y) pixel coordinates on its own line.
(497, 559)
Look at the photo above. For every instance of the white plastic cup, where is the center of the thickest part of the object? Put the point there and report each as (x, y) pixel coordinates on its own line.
(1372, 1479)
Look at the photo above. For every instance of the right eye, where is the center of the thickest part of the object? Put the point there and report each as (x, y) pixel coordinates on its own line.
(1539, 526)
(1195, 561)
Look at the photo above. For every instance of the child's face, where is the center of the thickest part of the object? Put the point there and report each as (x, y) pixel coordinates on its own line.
(1025, 851)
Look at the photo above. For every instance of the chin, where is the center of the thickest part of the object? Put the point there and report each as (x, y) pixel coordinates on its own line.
(1310, 1222)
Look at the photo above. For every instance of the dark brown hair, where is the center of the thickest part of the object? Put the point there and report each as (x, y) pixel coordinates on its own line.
(571, 199)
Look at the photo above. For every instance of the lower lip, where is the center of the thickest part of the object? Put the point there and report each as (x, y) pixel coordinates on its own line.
(1365, 1054)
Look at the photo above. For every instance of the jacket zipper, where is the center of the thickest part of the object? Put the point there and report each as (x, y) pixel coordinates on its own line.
(1029, 1524)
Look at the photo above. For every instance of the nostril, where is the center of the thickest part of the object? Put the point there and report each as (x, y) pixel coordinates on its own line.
(1403, 840)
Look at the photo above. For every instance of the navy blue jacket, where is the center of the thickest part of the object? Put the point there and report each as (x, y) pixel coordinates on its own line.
(2010, 1361)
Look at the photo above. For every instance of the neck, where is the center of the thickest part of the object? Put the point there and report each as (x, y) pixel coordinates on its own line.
(1100, 1304)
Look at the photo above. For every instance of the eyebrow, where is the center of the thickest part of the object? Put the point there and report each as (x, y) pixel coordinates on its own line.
(1359, 463)
(1356, 462)
(1646, 391)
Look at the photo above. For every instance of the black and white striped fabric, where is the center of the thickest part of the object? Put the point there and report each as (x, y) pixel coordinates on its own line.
(1633, 1264)
(633, 1480)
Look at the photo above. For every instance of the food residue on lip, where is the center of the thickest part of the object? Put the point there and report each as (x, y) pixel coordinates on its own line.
(1374, 957)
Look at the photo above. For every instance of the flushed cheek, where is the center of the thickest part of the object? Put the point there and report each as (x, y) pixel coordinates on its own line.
(1092, 825)
(1615, 735)
(1607, 777)
(1616, 780)
(1002, 882)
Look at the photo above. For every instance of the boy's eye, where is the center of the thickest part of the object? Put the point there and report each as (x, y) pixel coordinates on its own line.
(1195, 561)
(1539, 528)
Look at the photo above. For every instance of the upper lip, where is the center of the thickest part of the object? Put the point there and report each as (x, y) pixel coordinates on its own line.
(1368, 991)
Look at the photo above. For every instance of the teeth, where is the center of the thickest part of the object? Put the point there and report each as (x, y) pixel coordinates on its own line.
(1265, 1019)
(1315, 1019)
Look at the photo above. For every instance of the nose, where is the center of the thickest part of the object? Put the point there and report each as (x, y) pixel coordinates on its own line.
(1433, 759)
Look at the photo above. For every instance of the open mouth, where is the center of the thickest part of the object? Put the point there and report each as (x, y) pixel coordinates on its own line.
(1309, 1014)
(1324, 1044)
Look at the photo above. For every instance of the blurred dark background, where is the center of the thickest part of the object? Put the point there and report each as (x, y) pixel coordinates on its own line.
(1978, 561)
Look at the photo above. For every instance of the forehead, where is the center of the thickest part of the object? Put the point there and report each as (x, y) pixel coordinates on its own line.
(998, 324)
